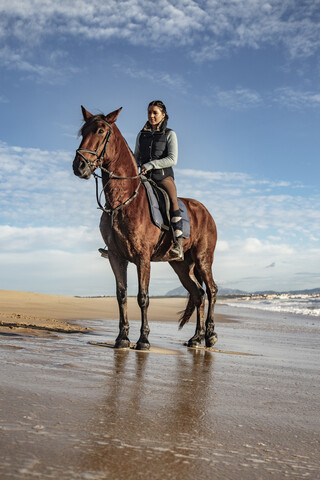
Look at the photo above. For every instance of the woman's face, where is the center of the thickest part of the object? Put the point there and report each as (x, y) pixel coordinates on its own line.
(155, 115)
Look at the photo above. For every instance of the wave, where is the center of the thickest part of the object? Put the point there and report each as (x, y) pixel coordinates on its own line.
(298, 304)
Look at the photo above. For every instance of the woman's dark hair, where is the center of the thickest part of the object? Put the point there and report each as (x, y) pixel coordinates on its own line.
(161, 105)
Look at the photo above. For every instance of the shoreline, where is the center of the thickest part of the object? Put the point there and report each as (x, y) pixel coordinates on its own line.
(38, 311)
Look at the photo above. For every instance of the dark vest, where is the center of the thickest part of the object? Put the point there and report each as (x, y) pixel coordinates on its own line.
(152, 145)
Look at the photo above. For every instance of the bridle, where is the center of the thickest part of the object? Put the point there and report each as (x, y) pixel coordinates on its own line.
(98, 164)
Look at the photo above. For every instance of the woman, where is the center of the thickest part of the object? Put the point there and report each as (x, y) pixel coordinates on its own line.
(156, 152)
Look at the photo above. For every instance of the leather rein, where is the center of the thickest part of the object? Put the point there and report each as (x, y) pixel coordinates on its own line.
(98, 164)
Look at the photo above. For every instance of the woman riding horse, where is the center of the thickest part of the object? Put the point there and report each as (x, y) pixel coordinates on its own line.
(156, 153)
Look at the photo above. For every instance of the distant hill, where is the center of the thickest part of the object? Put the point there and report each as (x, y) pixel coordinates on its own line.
(181, 292)
(309, 291)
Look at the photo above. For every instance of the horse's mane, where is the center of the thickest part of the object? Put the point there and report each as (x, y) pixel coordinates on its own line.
(90, 122)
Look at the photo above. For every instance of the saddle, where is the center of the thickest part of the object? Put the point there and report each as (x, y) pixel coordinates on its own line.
(159, 205)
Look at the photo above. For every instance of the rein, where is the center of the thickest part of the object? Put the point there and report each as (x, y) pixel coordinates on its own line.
(98, 163)
(112, 211)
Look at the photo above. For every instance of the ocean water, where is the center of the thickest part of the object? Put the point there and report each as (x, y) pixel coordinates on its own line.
(299, 304)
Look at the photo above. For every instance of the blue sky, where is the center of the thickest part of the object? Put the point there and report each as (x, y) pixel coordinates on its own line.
(240, 79)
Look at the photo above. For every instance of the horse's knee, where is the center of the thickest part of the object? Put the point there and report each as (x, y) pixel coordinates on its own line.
(143, 299)
(121, 295)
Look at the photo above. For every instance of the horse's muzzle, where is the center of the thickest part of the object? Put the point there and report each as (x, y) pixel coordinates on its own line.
(81, 168)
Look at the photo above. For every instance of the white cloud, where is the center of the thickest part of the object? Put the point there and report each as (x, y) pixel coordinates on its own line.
(210, 29)
(292, 98)
(254, 245)
(138, 21)
(241, 203)
(58, 272)
(49, 193)
(164, 79)
(203, 30)
(18, 60)
(254, 24)
(241, 98)
(243, 266)
(16, 239)
(238, 98)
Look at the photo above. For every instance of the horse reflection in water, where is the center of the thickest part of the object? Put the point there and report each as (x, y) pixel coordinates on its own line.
(156, 419)
(130, 235)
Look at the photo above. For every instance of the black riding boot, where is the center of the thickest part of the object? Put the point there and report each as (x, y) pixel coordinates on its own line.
(176, 223)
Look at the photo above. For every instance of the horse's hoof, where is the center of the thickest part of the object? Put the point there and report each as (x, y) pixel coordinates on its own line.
(194, 343)
(211, 341)
(122, 344)
(143, 346)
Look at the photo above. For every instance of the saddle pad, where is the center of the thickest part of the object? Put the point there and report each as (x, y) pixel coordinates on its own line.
(158, 217)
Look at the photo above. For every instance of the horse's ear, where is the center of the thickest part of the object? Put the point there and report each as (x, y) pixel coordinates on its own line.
(86, 114)
(112, 117)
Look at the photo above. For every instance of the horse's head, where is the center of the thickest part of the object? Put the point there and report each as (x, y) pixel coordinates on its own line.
(96, 134)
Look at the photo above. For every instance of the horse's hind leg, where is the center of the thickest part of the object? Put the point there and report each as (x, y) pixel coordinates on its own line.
(184, 270)
(119, 267)
(205, 271)
(143, 300)
(211, 336)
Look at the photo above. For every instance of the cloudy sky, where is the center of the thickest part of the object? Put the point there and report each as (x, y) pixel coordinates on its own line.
(240, 79)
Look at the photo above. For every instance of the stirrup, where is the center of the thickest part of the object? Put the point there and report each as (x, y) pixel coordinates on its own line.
(177, 251)
(103, 252)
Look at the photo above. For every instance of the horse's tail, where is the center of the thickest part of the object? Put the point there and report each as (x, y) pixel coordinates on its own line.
(185, 315)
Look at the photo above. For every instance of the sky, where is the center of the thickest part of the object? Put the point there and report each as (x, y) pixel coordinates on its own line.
(240, 79)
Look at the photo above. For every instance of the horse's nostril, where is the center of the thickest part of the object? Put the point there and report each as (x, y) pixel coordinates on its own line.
(82, 164)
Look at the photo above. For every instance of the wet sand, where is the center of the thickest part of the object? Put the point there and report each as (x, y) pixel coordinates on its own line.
(72, 407)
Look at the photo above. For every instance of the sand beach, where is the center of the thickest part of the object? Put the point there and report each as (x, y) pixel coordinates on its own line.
(72, 407)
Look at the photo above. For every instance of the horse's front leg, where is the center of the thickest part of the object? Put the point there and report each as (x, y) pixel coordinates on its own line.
(119, 267)
(143, 300)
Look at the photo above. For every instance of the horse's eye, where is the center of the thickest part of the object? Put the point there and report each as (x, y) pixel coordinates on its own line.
(100, 131)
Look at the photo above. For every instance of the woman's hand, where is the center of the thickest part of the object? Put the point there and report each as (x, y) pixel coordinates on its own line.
(143, 170)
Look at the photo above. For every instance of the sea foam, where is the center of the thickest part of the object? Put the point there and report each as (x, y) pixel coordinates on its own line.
(299, 304)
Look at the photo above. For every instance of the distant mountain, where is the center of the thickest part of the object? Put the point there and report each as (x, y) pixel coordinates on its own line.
(290, 292)
(230, 291)
(182, 292)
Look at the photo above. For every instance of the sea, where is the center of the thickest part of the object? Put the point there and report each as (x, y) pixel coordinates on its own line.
(299, 304)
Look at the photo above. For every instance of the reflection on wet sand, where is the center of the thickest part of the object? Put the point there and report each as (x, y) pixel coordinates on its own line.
(73, 410)
(152, 421)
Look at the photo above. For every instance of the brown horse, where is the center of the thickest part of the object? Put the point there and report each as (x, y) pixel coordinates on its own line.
(130, 235)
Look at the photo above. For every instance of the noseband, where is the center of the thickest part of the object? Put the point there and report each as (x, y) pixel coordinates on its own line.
(98, 164)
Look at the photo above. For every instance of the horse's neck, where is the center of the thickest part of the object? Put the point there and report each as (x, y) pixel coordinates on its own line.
(123, 164)
(124, 160)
